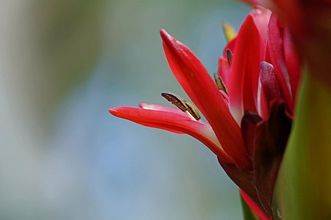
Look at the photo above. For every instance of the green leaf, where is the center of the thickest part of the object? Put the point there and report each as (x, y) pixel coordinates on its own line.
(303, 188)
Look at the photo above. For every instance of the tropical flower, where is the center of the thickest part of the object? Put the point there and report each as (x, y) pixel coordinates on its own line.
(248, 106)
(309, 23)
(303, 185)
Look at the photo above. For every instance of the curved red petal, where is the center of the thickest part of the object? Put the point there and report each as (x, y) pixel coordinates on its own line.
(224, 67)
(230, 45)
(276, 51)
(199, 86)
(224, 70)
(172, 120)
(249, 52)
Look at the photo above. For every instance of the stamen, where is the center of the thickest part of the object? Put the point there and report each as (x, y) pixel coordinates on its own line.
(182, 104)
(228, 55)
(219, 83)
(192, 110)
(175, 100)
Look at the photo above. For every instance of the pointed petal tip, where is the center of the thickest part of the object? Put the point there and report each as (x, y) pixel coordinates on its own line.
(114, 111)
(166, 37)
(122, 111)
(164, 34)
(162, 30)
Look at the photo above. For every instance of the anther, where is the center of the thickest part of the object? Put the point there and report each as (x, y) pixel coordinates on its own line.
(219, 83)
(182, 104)
(228, 55)
(192, 110)
(175, 100)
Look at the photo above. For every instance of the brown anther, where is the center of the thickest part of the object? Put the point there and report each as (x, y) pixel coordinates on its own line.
(228, 55)
(175, 100)
(181, 104)
(219, 83)
(192, 110)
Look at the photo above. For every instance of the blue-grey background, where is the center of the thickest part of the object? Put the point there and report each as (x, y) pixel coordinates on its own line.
(63, 63)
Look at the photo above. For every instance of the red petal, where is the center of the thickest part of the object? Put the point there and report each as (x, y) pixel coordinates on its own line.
(255, 208)
(230, 45)
(198, 85)
(172, 120)
(278, 60)
(249, 52)
(271, 138)
(224, 68)
(161, 108)
(286, 9)
(248, 129)
(269, 81)
(269, 84)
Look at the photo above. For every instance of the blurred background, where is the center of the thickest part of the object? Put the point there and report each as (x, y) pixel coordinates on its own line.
(63, 63)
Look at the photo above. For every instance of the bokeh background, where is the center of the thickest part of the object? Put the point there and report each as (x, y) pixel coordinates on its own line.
(63, 63)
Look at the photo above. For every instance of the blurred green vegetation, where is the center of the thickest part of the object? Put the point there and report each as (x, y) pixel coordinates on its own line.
(303, 188)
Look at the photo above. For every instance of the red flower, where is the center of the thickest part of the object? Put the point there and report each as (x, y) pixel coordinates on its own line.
(248, 110)
(309, 22)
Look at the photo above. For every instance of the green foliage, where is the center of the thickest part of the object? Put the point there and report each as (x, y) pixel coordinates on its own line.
(304, 184)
